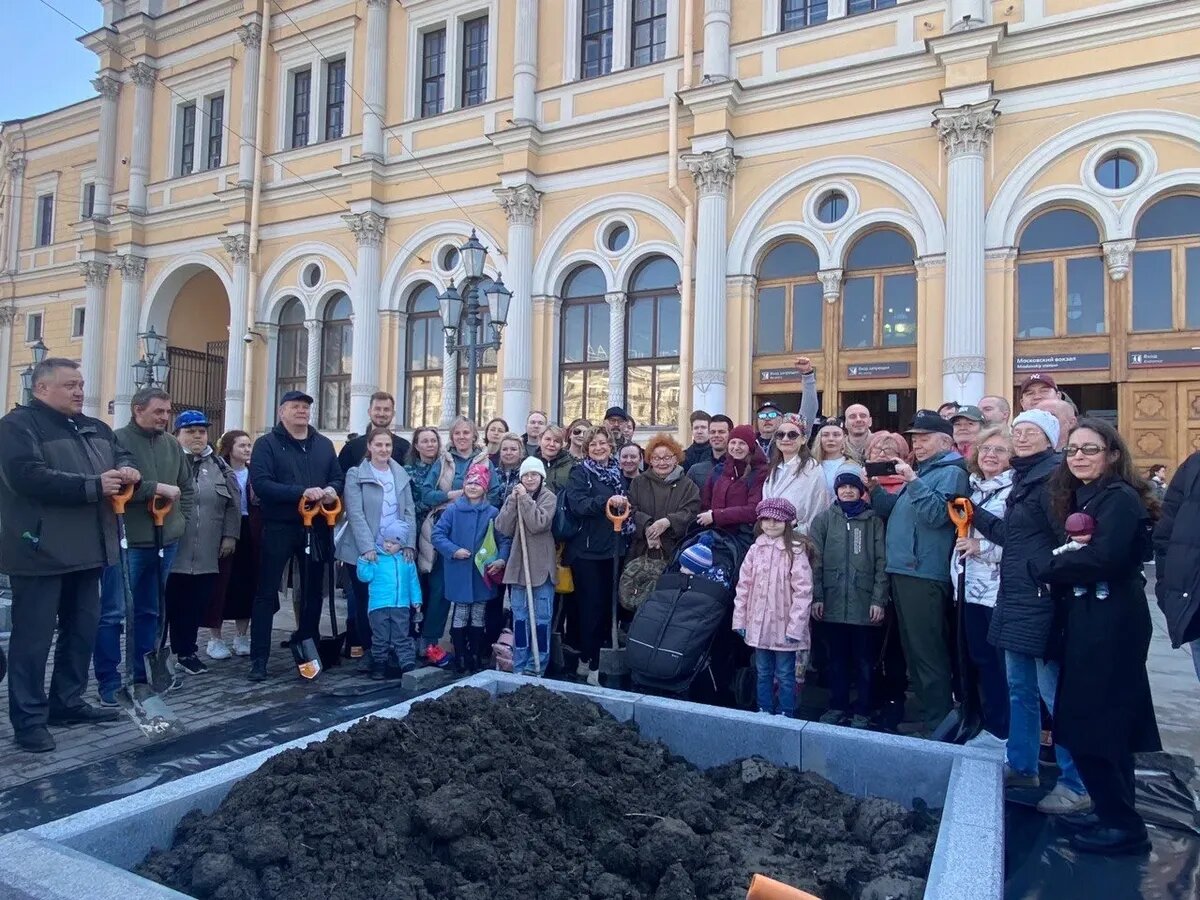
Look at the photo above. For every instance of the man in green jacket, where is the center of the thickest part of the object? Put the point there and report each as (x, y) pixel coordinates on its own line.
(165, 473)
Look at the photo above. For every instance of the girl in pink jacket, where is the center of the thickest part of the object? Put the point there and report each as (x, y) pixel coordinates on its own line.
(770, 609)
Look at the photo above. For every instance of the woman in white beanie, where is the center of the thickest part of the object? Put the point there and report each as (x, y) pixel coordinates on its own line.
(535, 504)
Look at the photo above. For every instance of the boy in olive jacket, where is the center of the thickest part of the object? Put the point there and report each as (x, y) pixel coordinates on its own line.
(850, 593)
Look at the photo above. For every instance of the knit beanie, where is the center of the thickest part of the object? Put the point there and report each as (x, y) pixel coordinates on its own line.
(777, 508)
(480, 474)
(397, 530)
(848, 473)
(696, 558)
(533, 464)
(1043, 420)
(743, 433)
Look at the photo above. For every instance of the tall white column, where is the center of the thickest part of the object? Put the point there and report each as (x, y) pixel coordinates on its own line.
(238, 248)
(312, 372)
(143, 77)
(965, 132)
(525, 63)
(8, 315)
(109, 89)
(713, 171)
(520, 205)
(368, 229)
(250, 35)
(375, 94)
(15, 164)
(133, 270)
(716, 39)
(617, 301)
(95, 279)
(449, 387)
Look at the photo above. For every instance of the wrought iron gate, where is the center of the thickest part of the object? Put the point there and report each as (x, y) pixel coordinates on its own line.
(197, 381)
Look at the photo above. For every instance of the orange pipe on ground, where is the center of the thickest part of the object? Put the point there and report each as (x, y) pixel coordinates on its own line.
(764, 888)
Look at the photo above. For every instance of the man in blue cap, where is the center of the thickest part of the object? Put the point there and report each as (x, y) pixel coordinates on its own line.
(290, 461)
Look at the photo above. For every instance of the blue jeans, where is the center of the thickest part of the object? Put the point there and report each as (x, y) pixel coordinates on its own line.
(543, 608)
(776, 666)
(1029, 677)
(111, 633)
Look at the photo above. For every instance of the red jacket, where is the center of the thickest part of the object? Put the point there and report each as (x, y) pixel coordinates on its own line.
(733, 500)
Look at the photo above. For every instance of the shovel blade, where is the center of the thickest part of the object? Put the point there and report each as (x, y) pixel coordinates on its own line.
(612, 662)
(149, 712)
(307, 657)
(160, 670)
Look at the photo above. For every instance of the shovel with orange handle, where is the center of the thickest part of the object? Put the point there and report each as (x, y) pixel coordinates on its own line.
(612, 661)
(159, 670)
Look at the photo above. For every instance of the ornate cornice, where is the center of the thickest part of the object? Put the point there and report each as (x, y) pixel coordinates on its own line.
(131, 267)
(107, 87)
(143, 75)
(250, 35)
(520, 203)
(1118, 254)
(94, 273)
(966, 129)
(712, 169)
(368, 228)
(237, 246)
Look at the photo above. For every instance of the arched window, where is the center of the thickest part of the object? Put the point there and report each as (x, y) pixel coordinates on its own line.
(1166, 266)
(879, 297)
(789, 311)
(423, 368)
(652, 343)
(583, 347)
(486, 383)
(291, 360)
(337, 345)
(1060, 277)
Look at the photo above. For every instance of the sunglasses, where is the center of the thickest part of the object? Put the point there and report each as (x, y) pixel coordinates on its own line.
(769, 414)
(579, 431)
(787, 435)
(1086, 449)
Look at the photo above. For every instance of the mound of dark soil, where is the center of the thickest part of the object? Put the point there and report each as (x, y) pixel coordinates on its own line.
(535, 795)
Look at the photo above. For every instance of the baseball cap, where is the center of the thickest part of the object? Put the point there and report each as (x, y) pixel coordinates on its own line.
(974, 413)
(927, 421)
(295, 395)
(615, 412)
(190, 418)
(1038, 378)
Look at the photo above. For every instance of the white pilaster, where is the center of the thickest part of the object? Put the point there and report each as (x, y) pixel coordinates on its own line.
(375, 94)
(238, 248)
(520, 205)
(109, 89)
(95, 279)
(250, 35)
(525, 63)
(368, 229)
(965, 132)
(143, 77)
(617, 302)
(15, 165)
(713, 171)
(716, 39)
(8, 315)
(312, 372)
(133, 270)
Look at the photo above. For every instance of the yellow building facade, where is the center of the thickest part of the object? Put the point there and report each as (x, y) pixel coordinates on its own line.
(932, 199)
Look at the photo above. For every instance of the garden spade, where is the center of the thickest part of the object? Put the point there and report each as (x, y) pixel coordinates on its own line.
(962, 722)
(613, 668)
(305, 652)
(160, 669)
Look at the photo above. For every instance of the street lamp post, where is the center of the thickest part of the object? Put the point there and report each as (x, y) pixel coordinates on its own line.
(39, 351)
(153, 368)
(452, 304)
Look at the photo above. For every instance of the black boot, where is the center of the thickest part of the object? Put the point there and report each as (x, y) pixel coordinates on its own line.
(482, 651)
(458, 637)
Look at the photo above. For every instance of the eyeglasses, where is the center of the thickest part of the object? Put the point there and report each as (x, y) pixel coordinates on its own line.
(663, 459)
(769, 414)
(1086, 449)
(787, 435)
(999, 450)
(579, 431)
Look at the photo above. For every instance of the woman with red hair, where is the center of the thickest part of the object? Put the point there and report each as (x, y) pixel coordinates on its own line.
(664, 501)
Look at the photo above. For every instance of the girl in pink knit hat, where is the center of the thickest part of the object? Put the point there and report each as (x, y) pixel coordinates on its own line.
(771, 606)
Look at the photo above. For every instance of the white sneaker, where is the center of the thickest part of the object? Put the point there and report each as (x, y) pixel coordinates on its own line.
(593, 677)
(1063, 800)
(985, 740)
(241, 645)
(217, 649)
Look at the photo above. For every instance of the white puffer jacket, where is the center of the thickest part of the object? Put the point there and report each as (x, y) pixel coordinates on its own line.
(983, 571)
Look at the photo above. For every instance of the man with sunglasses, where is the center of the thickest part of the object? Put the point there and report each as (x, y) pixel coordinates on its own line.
(769, 415)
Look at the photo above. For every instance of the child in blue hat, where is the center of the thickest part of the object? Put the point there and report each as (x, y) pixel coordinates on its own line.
(394, 593)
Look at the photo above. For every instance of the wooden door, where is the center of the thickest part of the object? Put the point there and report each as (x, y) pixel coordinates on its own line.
(1160, 421)
(1189, 421)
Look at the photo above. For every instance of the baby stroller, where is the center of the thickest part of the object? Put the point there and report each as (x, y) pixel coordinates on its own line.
(683, 628)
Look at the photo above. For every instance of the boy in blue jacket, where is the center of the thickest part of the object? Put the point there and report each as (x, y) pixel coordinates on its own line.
(394, 593)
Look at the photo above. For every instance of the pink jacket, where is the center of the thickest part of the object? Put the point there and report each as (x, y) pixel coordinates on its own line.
(772, 603)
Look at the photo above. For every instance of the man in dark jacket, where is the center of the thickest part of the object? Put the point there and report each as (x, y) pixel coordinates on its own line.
(919, 539)
(57, 470)
(1176, 549)
(535, 426)
(290, 461)
(698, 451)
(719, 428)
(382, 411)
(166, 473)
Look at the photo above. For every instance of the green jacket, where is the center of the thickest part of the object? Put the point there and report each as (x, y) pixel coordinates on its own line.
(160, 459)
(850, 576)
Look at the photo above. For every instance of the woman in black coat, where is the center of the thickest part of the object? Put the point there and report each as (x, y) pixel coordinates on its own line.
(1105, 713)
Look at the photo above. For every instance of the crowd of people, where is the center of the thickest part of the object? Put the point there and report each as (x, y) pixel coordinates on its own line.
(834, 540)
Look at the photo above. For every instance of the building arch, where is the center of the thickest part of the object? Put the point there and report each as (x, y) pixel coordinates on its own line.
(854, 230)
(764, 242)
(644, 251)
(270, 279)
(925, 223)
(397, 271)
(572, 261)
(412, 282)
(1008, 206)
(1152, 192)
(162, 293)
(548, 256)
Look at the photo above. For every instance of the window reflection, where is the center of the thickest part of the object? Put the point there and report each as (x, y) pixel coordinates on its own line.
(771, 301)
(879, 302)
(337, 345)
(291, 365)
(899, 310)
(1152, 290)
(786, 317)
(1061, 282)
(858, 312)
(1167, 265)
(652, 341)
(583, 357)
(1035, 300)
(1085, 296)
(808, 310)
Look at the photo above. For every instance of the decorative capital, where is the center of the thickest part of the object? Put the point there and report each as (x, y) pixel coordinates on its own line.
(518, 385)
(966, 129)
(142, 75)
(520, 203)
(131, 267)
(107, 87)
(15, 163)
(831, 284)
(1118, 255)
(704, 379)
(250, 35)
(94, 273)
(238, 247)
(382, 4)
(616, 300)
(962, 367)
(313, 326)
(368, 228)
(712, 169)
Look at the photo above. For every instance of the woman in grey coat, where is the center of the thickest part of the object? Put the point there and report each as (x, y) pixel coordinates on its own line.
(378, 490)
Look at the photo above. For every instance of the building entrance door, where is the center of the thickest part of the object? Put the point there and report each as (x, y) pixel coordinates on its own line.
(1160, 421)
(197, 381)
(890, 410)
